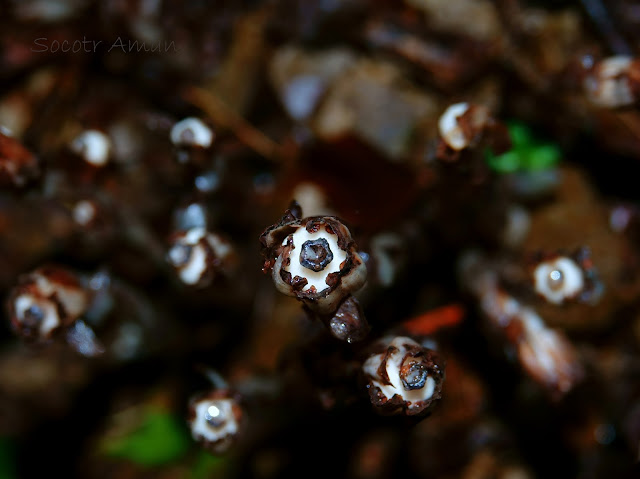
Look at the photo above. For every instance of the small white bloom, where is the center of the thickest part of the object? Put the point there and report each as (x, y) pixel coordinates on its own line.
(608, 85)
(422, 388)
(405, 377)
(84, 212)
(449, 128)
(93, 145)
(313, 259)
(45, 300)
(31, 311)
(558, 279)
(193, 252)
(191, 132)
(214, 420)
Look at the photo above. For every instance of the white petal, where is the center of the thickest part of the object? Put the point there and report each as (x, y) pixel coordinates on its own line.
(201, 133)
(319, 278)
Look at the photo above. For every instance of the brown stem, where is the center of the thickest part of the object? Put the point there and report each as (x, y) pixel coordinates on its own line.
(225, 117)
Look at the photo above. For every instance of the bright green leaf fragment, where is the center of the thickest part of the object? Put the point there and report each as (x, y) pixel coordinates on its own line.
(543, 157)
(520, 135)
(508, 162)
(160, 439)
(527, 153)
(206, 465)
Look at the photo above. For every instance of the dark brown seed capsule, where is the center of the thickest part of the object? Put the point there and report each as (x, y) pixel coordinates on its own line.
(316, 254)
(413, 375)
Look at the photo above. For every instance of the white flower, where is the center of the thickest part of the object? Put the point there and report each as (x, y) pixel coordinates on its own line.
(461, 123)
(46, 300)
(215, 420)
(313, 259)
(191, 132)
(558, 279)
(609, 85)
(404, 376)
(94, 147)
(84, 212)
(198, 254)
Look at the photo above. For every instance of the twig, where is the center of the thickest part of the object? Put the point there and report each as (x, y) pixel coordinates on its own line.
(226, 117)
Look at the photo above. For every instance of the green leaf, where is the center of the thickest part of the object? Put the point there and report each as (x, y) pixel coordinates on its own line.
(543, 157)
(527, 153)
(520, 135)
(206, 465)
(508, 162)
(160, 439)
